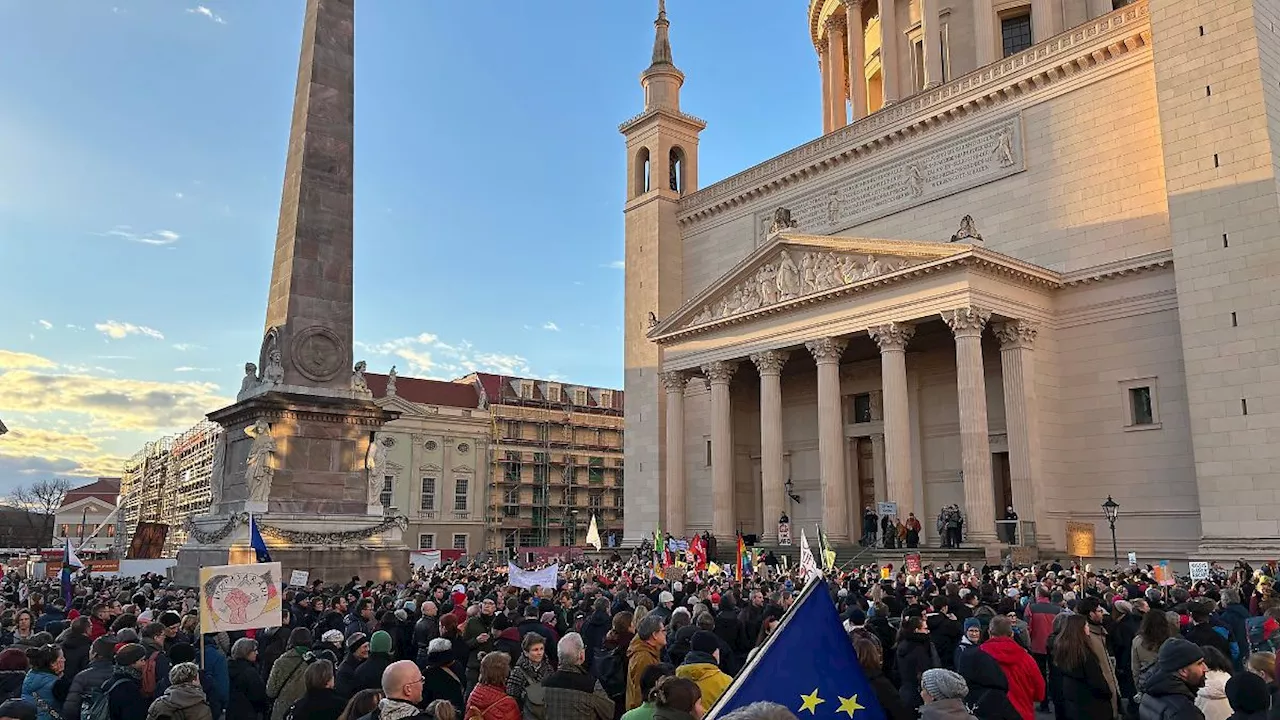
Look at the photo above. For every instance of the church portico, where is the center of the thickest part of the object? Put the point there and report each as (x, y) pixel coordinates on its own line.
(849, 355)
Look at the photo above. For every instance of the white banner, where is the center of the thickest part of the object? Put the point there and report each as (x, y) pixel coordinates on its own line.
(424, 559)
(808, 568)
(1199, 571)
(526, 579)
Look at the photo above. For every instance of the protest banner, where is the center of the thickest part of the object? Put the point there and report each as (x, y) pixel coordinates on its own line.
(913, 563)
(424, 559)
(1133, 558)
(1080, 536)
(1199, 570)
(887, 508)
(1164, 574)
(298, 578)
(521, 578)
(239, 597)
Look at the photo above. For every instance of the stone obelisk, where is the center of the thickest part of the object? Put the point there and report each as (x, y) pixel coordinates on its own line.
(300, 449)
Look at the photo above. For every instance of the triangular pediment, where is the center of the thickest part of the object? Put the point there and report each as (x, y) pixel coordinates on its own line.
(791, 267)
(400, 405)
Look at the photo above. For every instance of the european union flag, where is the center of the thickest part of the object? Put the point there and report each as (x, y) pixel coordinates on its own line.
(256, 542)
(808, 665)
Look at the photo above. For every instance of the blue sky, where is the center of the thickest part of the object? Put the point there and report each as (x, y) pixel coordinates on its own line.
(141, 159)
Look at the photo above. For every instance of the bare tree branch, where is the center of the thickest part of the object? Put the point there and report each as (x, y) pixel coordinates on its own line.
(42, 497)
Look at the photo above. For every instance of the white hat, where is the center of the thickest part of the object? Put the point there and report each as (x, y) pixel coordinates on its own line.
(332, 636)
(677, 586)
(666, 597)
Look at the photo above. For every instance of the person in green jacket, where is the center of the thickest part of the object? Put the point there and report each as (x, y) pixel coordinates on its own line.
(648, 679)
(287, 681)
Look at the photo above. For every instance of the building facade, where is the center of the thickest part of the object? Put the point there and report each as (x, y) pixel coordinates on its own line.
(87, 516)
(168, 481)
(556, 461)
(1030, 265)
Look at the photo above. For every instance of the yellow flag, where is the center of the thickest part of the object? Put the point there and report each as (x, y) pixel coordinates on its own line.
(829, 559)
(713, 568)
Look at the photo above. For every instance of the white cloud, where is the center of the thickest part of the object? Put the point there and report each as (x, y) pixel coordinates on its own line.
(202, 10)
(158, 237)
(120, 330)
(184, 347)
(74, 327)
(45, 324)
(188, 368)
(548, 325)
(179, 195)
(427, 356)
(616, 265)
(115, 403)
(10, 359)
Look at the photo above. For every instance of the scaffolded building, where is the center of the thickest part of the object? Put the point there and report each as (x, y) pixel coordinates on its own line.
(556, 455)
(167, 481)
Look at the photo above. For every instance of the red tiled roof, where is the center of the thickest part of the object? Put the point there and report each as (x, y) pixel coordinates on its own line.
(426, 392)
(105, 489)
(498, 389)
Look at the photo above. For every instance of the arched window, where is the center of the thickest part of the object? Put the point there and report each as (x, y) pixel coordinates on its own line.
(676, 165)
(642, 172)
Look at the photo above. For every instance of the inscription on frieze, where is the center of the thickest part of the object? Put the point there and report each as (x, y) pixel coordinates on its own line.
(976, 157)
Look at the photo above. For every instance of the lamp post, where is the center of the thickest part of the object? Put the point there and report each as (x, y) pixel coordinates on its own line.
(573, 527)
(1111, 509)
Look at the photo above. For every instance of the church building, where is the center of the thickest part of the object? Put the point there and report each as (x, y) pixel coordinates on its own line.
(1031, 265)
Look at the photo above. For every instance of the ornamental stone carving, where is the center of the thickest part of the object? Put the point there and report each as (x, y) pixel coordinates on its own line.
(217, 471)
(376, 463)
(968, 232)
(770, 362)
(782, 221)
(250, 381)
(1016, 334)
(391, 382)
(966, 321)
(892, 336)
(720, 371)
(786, 279)
(317, 352)
(359, 384)
(259, 469)
(674, 381)
(826, 350)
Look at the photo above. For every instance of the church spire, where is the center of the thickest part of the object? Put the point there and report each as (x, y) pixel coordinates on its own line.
(662, 37)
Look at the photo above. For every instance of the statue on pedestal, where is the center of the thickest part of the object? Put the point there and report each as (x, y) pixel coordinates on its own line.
(215, 475)
(358, 383)
(391, 382)
(273, 373)
(376, 463)
(258, 468)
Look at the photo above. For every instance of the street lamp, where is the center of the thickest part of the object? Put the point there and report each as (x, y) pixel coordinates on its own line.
(573, 527)
(1111, 509)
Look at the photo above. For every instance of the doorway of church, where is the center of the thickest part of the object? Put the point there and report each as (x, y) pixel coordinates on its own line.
(866, 475)
(1003, 481)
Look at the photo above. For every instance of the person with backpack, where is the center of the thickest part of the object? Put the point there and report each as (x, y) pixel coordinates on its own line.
(184, 698)
(152, 638)
(611, 660)
(102, 655)
(530, 670)
(286, 683)
(123, 692)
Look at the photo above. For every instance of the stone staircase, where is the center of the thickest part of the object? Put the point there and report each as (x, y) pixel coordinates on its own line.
(856, 555)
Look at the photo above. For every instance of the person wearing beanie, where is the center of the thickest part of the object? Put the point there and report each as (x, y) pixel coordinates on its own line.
(970, 640)
(943, 692)
(734, 633)
(1249, 696)
(442, 680)
(1026, 684)
(125, 700)
(702, 666)
(13, 670)
(369, 674)
(102, 653)
(357, 653)
(17, 709)
(184, 698)
(1170, 693)
(506, 636)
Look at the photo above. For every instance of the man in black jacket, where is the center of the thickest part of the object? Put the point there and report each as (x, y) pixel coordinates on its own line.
(101, 665)
(595, 627)
(730, 630)
(1179, 675)
(752, 616)
(944, 630)
(1204, 632)
(425, 630)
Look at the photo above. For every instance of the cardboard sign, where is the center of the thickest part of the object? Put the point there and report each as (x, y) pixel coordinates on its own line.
(913, 563)
(1080, 539)
(887, 508)
(1199, 571)
(1133, 558)
(1164, 574)
(239, 597)
(298, 578)
(1023, 555)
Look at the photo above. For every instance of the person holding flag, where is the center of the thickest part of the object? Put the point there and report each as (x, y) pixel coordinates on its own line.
(69, 562)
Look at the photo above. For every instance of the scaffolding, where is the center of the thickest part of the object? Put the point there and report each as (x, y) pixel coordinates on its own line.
(546, 439)
(168, 480)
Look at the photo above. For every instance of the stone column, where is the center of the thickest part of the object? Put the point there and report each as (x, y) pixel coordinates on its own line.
(675, 518)
(890, 40)
(835, 493)
(825, 66)
(772, 468)
(835, 50)
(1022, 418)
(877, 463)
(984, 31)
(1046, 20)
(1097, 8)
(975, 440)
(719, 374)
(931, 39)
(893, 339)
(857, 58)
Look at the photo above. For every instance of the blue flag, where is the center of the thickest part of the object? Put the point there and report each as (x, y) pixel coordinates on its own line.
(256, 542)
(808, 666)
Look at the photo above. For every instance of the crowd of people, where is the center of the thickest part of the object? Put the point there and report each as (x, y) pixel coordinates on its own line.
(621, 639)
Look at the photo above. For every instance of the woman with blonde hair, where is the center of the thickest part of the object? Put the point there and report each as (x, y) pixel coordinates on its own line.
(489, 700)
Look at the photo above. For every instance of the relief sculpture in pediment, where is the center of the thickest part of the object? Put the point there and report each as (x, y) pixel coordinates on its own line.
(783, 280)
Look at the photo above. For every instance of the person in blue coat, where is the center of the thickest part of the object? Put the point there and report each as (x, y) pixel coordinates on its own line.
(40, 687)
(217, 678)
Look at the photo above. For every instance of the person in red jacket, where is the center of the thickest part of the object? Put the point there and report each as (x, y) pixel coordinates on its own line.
(1026, 684)
(1040, 616)
(489, 700)
(99, 623)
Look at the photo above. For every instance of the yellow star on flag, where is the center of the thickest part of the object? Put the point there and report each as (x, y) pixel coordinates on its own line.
(810, 702)
(849, 705)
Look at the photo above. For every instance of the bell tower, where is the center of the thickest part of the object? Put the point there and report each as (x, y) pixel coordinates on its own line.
(662, 166)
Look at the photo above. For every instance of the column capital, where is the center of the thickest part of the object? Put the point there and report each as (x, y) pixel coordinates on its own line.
(1016, 334)
(967, 321)
(892, 336)
(675, 380)
(770, 362)
(830, 24)
(827, 350)
(720, 371)
(852, 4)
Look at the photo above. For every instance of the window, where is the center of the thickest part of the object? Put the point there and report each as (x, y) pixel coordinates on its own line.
(428, 501)
(1141, 404)
(511, 502)
(566, 537)
(580, 397)
(1015, 33)
(526, 389)
(617, 500)
(427, 541)
(862, 408)
(459, 541)
(568, 497)
(642, 172)
(460, 493)
(1117, 4)
(917, 49)
(539, 474)
(513, 430)
(388, 482)
(606, 398)
(595, 470)
(64, 532)
(544, 432)
(595, 500)
(675, 161)
(708, 441)
(553, 392)
(539, 495)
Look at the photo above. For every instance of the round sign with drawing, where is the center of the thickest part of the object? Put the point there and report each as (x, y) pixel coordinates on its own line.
(239, 597)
